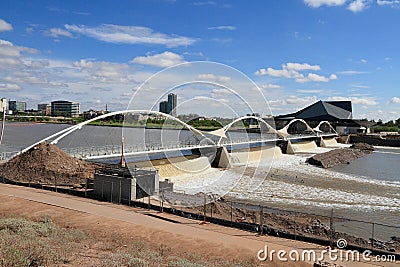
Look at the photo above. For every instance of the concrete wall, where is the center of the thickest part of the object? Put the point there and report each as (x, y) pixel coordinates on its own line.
(112, 188)
(119, 189)
(375, 141)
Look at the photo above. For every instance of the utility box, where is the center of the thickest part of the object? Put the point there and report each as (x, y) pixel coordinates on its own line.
(117, 184)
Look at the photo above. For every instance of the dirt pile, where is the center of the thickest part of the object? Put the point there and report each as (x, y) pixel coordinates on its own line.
(340, 156)
(47, 164)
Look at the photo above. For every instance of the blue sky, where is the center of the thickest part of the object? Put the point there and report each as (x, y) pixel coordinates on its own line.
(297, 52)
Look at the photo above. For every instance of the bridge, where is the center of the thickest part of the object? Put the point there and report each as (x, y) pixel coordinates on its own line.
(203, 140)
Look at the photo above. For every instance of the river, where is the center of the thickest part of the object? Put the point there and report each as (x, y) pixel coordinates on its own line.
(368, 189)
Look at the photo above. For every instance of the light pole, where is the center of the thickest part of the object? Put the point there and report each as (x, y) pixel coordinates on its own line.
(3, 107)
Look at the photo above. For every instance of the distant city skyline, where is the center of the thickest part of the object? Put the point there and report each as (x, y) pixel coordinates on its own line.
(297, 52)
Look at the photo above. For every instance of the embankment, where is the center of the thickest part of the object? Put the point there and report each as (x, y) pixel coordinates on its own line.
(340, 156)
(375, 140)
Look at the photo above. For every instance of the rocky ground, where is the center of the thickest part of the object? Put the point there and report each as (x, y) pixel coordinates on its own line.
(47, 164)
(302, 225)
(340, 156)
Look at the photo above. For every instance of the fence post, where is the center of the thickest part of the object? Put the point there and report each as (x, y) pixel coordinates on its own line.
(112, 191)
(102, 190)
(332, 231)
(120, 190)
(148, 204)
(205, 207)
(231, 213)
(55, 182)
(261, 220)
(373, 235)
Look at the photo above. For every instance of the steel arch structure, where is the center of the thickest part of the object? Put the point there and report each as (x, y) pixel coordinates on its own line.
(63, 133)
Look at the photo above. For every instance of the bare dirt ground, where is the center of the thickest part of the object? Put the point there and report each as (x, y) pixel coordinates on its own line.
(110, 231)
(193, 243)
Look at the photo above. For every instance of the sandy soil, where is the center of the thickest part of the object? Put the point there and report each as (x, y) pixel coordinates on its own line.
(210, 243)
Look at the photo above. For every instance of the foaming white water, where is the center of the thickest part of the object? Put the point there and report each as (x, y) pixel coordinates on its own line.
(358, 193)
(297, 163)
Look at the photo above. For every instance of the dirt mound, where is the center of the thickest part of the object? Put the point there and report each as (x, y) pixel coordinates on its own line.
(362, 146)
(47, 164)
(340, 156)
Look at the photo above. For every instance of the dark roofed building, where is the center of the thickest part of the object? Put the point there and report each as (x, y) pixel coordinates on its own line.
(322, 111)
(338, 113)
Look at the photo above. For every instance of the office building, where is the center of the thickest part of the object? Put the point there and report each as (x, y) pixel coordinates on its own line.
(16, 106)
(164, 107)
(172, 102)
(44, 109)
(65, 108)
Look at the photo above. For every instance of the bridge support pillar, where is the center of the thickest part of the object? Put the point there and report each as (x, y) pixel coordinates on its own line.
(290, 149)
(222, 158)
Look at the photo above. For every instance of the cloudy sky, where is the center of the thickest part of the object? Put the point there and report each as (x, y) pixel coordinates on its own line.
(297, 52)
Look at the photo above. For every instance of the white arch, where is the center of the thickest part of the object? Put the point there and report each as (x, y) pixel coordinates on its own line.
(316, 129)
(284, 131)
(63, 133)
(222, 131)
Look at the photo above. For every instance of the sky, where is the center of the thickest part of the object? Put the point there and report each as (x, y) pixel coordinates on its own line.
(297, 52)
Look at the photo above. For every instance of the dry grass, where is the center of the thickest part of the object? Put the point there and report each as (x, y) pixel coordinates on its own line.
(40, 242)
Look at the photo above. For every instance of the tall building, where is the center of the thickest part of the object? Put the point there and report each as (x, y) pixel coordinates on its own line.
(164, 107)
(44, 109)
(16, 106)
(172, 102)
(65, 108)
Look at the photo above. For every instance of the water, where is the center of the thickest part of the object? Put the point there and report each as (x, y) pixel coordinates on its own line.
(388, 160)
(368, 189)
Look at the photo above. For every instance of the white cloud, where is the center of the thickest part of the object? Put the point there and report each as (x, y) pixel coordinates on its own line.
(395, 100)
(8, 87)
(204, 3)
(270, 86)
(300, 101)
(130, 35)
(213, 77)
(10, 50)
(5, 26)
(309, 91)
(301, 66)
(312, 77)
(165, 59)
(366, 101)
(360, 86)
(292, 70)
(364, 61)
(57, 32)
(358, 5)
(273, 72)
(318, 3)
(352, 72)
(391, 3)
(104, 72)
(224, 27)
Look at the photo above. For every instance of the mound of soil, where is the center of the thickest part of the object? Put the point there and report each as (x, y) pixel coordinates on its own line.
(47, 164)
(340, 156)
